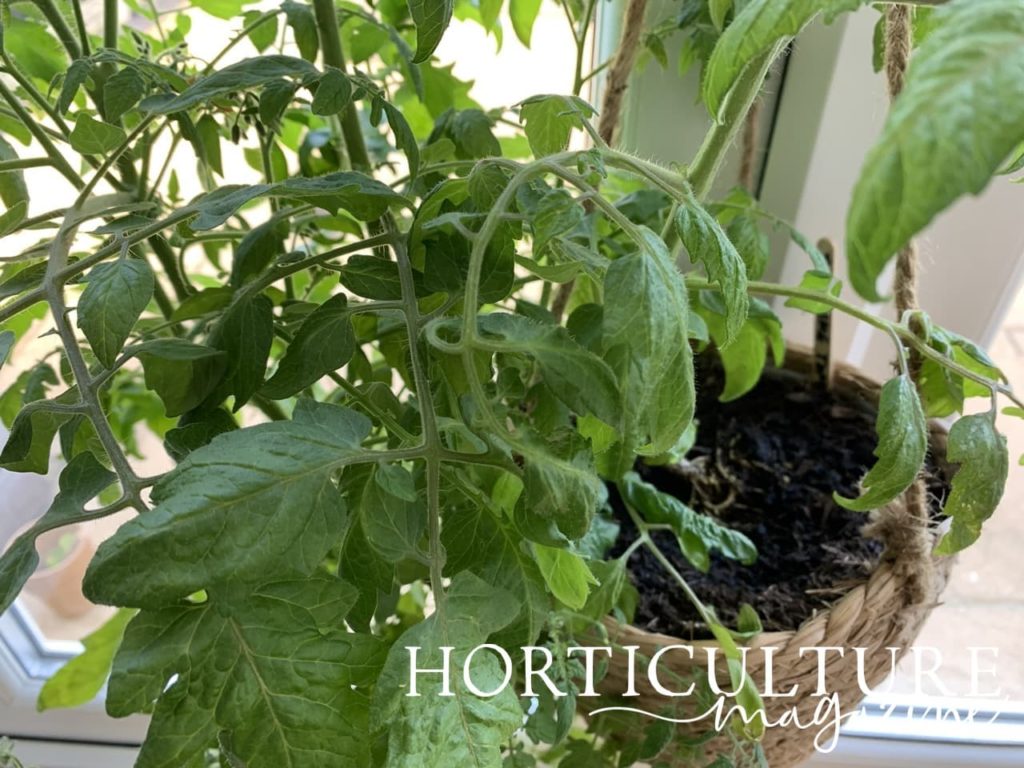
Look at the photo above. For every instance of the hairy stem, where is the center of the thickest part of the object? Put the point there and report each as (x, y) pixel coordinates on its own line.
(716, 144)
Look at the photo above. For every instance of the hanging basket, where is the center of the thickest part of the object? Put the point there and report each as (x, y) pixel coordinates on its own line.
(885, 610)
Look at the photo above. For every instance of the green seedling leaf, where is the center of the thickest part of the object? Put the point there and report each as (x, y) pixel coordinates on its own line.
(979, 483)
(228, 494)
(83, 676)
(698, 534)
(114, 298)
(902, 444)
(956, 121)
(707, 243)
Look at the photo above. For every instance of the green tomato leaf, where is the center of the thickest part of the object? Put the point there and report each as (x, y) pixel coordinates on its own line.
(301, 18)
(323, 344)
(7, 339)
(365, 198)
(524, 15)
(80, 481)
(372, 277)
(719, 10)
(12, 183)
(818, 282)
(754, 31)
(479, 537)
(551, 212)
(28, 446)
(745, 358)
(393, 526)
(257, 250)
(566, 575)
(578, 377)
(181, 373)
(405, 139)
(248, 73)
(434, 731)
(561, 489)
(395, 480)
(646, 343)
(707, 243)
(122, 92)
(227, 495)
(958, 118)
(92, 137)
(431, 18)
(222, 9)
(114, 298)
(902, 445)
(245, 334)
(979, 483)
(83, 676)
(74, 78)
(548, 121)
(698, 534)
(264, 35)
(333, 93)
(185, 438)
(271, 677)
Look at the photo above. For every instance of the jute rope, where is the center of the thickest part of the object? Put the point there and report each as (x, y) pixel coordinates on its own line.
(615, 86)
(898, 39)
(621, 68)
(749, 147)
(906, 533)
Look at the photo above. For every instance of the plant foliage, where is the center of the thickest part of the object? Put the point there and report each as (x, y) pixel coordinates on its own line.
(397, 347)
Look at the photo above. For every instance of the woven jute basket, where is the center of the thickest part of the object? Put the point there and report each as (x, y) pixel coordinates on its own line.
(884, 611)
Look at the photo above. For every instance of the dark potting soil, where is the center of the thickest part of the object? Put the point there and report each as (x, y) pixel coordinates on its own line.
(766, 465)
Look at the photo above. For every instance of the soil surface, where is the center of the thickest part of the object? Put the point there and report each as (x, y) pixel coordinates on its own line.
(766, 465)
